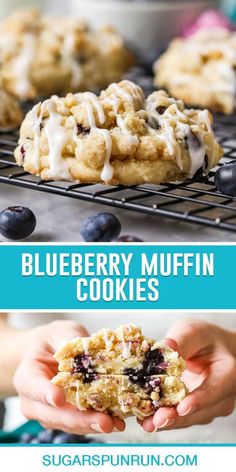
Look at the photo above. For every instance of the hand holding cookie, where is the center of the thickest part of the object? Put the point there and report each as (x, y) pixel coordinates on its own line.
(45, 402)
(210, 355)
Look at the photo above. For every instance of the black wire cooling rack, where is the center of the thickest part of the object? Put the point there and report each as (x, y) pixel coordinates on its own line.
(193, 201)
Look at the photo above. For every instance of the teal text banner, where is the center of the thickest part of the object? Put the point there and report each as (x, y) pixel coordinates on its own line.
(113, 276)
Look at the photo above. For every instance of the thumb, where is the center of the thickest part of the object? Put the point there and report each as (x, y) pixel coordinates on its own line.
(59, 332)
(189, 337)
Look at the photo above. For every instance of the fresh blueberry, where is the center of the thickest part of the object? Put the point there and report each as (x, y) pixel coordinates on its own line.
(46, 436)
(82, 130)
(17, 222)
(225, 179)
(103, 227)
(26, 438)
(129, 239)
(63, 438)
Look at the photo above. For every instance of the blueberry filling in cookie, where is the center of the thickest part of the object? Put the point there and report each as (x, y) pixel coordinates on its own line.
(81, 365)
(154, 364)
(82, 130)
(22, 151)
(161, 110)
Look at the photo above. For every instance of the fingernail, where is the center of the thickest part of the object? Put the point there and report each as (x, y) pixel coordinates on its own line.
(50, 400)
(96, 427)
(116, 430)
(168, 422)
(190, 410)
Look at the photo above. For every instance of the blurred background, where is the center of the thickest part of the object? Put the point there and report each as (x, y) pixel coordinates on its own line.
(144, 21)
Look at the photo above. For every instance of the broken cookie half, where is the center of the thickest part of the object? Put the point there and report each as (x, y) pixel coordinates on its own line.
(120, 372)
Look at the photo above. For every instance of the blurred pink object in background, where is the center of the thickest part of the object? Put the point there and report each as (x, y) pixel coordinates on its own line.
(208, 19)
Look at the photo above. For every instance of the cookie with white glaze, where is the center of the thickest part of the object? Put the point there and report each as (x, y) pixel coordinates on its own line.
(201, 69)
(120, 371)
(118, 137)
(43, 55)
(10, 111)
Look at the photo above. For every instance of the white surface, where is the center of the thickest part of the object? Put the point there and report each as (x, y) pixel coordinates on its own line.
(149, 24)
(59, 219)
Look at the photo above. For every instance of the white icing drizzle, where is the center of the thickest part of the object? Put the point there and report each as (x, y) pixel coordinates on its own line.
(204, 117)
(108, 340)
(68, 55)
(125, 345)
(122, 93)
(22, 65)
(107, 171)
(132, 139)
(91, 101)
(57, 136)
(197, 153)
(91, 97)
(37, 119)
(114, 102)
(169, 135)
(85, 344)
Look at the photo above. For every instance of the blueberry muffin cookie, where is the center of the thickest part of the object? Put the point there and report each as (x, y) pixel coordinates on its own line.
(121, 372)
(41, 55)
(116, 138)
(201, 70)
(10, 111)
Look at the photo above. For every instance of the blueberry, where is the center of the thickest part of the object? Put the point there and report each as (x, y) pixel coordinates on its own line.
(129, 239)
(82, 130)
(82, 365)
(153, 364)
(63, 438)
(17, 222)
(225, 179)
(161, 110)
(103, 227)
(66, 438)
(22, 150)
(46, 436)
(26, 438)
